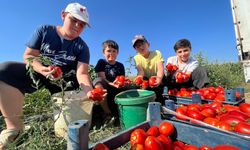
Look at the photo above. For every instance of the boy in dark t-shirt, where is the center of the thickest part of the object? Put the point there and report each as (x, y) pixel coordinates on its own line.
(107, 70)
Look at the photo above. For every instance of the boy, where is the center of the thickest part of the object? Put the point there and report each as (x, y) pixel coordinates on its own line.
(63, 46)
(148, 64)
(197, 76)
(107, 70)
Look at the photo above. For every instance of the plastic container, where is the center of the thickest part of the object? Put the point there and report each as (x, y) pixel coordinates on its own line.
(133, 106)
(75, 106)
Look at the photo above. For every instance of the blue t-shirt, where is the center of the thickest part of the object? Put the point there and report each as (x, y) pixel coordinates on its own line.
(111, 71)
(62, 52)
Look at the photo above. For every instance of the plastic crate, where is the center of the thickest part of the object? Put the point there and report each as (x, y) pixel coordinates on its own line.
(188, 133)
(229, 98)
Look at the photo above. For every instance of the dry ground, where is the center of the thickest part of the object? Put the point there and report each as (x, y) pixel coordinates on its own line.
(247, 96)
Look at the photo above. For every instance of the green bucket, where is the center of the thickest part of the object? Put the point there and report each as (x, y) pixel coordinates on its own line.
(133, 106)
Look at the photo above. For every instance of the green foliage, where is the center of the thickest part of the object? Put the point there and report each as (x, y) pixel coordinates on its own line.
(228, 75)
(92, 74)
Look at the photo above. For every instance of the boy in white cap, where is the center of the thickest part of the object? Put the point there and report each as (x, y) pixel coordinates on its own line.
(148, 64)
(64, 47)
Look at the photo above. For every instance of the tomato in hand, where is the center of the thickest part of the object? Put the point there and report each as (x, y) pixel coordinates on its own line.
(120, 81)
(179, 78)
(152, 81)
(166, 128)
(138, 80)
(138, 136)
(97, 94)
(144, 84)
(169, 67)
(57, 71)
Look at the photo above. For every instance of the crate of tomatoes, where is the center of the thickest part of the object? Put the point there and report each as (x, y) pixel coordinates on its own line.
(206, 95)
(218, 116)
(158, 133)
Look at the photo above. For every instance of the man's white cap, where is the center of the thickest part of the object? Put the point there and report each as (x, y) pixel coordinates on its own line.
(78, 11)
(138, 37)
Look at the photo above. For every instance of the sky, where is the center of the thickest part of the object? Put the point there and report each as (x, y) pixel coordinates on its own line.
(208, 24)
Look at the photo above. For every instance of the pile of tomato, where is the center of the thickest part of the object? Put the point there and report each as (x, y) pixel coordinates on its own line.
(226, 117)
(210, 93)
(160, 138)
(144, 84)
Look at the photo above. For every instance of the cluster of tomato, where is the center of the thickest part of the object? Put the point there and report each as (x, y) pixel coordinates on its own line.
(122, 81)
(159, 138)
(171, 68)
(144, 84)
(97, 94)
(210, 93)
(180, 77)
(226, 117)
(57, 71)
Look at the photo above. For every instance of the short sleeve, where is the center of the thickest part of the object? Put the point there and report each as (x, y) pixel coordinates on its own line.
(84, 55)
(36, 38)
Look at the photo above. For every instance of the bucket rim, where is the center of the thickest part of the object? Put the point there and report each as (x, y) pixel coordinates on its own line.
(131, 90)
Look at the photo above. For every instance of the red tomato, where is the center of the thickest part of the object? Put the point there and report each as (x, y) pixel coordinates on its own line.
(153, 131)
(120, 80)
(204, 147)
(179, 77)
(220, 97)
(230, 107)
(211, 89)
(226, 147)
(245, 107)
(210, 96)
(169, 67)
(166, 142)
(209, 112)
(219, 89)
(144, 84)
(230, 119)
(211, 121)
(166, 128)
(152, 81)
(191, 147)
(97, 94)
(175, 68)
(100, 146)
(185, 77)
(57, 71)
(196, 107)
(242, 127)
(239, 114)
(172, 91)
(181, 111)
(152, 143)
(195, 114)
(216, 104)
(138, 136)
(179, 144)
(224, 126)
(138, 81)
(137, 147)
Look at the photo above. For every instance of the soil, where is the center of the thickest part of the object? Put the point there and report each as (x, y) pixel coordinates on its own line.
(247, 97)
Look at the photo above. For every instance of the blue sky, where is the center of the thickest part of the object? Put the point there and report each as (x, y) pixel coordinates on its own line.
(208, 24)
